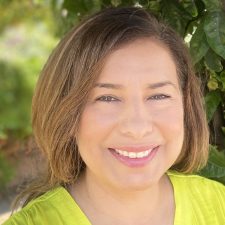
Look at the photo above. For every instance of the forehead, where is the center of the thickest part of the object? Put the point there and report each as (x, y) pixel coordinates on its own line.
(143, 58)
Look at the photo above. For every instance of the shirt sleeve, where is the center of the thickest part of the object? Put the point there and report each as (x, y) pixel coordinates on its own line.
(18, 219)
(219, 191)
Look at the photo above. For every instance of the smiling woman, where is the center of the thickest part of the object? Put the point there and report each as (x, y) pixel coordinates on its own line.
(126, 117)
(118, 113)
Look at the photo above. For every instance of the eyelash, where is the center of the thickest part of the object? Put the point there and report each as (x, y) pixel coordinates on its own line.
(107, 98)
(159, 97)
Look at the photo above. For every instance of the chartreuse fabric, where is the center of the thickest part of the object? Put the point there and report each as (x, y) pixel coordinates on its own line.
(199, 201)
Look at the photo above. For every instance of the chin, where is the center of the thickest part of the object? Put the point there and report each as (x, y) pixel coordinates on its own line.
(137, 183)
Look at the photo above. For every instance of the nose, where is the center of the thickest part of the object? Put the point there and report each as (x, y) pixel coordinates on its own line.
(136, 121)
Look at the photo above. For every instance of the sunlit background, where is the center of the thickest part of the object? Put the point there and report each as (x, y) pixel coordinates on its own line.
(28, 34)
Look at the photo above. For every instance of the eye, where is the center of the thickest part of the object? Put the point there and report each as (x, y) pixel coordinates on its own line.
(159, 97)
(107, 98)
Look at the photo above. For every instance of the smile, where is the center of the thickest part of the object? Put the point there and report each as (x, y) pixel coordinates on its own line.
(134, 155)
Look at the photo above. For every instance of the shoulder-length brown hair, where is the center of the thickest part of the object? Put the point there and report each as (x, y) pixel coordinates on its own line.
(70, 73)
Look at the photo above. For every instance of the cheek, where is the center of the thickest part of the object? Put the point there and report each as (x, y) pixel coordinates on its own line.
(96, 123)
(171, 122)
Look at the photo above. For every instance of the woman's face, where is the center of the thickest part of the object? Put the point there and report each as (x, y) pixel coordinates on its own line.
(131, 130)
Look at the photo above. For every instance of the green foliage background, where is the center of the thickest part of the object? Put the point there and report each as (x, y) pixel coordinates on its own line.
(200, 22)
(27, 36)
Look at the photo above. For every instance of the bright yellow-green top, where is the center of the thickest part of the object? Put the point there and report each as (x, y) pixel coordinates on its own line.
(199, 201)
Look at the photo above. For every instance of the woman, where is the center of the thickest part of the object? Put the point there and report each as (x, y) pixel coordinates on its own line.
(118, 113)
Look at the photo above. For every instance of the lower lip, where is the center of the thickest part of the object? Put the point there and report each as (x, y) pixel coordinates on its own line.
(135, 162)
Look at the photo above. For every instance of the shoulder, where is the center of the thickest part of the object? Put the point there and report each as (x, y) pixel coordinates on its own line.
(192, 181)
(202, 195)
(35, 211)
(54, 207)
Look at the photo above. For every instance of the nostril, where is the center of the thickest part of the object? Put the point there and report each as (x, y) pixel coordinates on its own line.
(136, 128)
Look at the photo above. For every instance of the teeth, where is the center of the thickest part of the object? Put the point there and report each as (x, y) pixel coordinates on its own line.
(134, 155)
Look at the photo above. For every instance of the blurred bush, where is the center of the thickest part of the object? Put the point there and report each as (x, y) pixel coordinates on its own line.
(27, 37)
(6, 172)
(24, 51)
(15, 98)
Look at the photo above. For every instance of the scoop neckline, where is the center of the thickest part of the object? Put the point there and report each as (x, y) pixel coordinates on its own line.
(75, 207)
(72, 204)
(176, 195)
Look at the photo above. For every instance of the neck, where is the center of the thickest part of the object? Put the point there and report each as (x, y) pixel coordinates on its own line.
(132, 206)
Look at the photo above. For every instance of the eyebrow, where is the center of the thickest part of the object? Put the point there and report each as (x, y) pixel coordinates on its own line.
(161, 84)
(149, 86)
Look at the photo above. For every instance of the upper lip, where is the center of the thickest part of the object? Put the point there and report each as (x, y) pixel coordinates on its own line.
(135, 148)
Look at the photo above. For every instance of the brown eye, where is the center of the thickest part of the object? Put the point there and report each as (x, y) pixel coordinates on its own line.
(159, 97)
(107, 99)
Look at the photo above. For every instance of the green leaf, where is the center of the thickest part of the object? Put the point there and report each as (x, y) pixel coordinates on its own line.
(217, 157)
(213, 61)
(200, 6)
(124, 2)
(175, 15)
(223, 130)
(79, 6)
(213, 5)
(214, 27)
(198, 44)
(215, 167)
(153, 6)
(105, 4)
(213, 84)
(190, 7)
(192, 27)
(222, 78)
(116, 2)
(212, 101)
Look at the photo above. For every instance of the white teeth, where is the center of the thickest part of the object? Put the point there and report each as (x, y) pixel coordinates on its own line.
(134, 155)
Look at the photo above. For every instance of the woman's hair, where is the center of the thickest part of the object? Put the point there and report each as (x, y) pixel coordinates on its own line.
(70, 73)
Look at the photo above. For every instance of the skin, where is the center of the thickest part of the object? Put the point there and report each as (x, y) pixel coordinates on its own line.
(146, 108)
